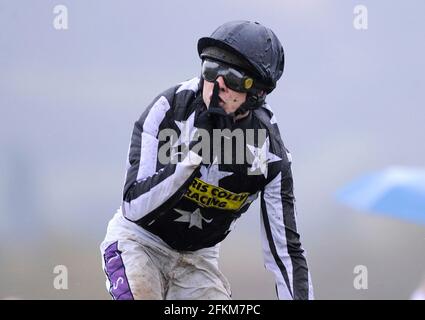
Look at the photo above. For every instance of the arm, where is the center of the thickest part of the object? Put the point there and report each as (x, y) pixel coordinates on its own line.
(147, 190)
(283, 253)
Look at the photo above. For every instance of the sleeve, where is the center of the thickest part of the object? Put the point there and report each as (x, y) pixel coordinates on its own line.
(283, 253)
(147, 190)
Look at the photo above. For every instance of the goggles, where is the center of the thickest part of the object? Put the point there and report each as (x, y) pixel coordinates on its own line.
(234, 79)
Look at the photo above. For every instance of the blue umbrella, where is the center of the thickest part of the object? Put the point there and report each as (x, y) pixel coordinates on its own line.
(397, 191)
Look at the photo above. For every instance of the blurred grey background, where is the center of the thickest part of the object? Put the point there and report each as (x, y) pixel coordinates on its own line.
(350, 101)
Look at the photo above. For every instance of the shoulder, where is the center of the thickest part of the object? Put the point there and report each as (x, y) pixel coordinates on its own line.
(182, 93)
(185, 94)
(279, 157)
(268, 121)
(170, 102)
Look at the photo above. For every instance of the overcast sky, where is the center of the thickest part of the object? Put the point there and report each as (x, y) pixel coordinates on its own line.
(350, 102)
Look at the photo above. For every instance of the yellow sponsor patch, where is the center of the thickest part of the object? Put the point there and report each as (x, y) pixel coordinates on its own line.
(210, 196)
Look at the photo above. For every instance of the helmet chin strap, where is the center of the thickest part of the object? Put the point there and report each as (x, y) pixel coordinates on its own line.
(252, 102)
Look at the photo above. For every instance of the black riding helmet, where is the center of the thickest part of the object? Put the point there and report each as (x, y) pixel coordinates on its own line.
(251, 46)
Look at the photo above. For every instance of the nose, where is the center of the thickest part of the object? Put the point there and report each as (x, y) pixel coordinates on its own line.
(221, 83)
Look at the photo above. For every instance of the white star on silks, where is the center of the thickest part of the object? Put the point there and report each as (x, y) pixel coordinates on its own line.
(194, 218)
(262, 157)
(187, 131)
(212, 174)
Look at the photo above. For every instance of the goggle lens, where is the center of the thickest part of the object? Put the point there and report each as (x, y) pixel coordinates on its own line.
(234, 79)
